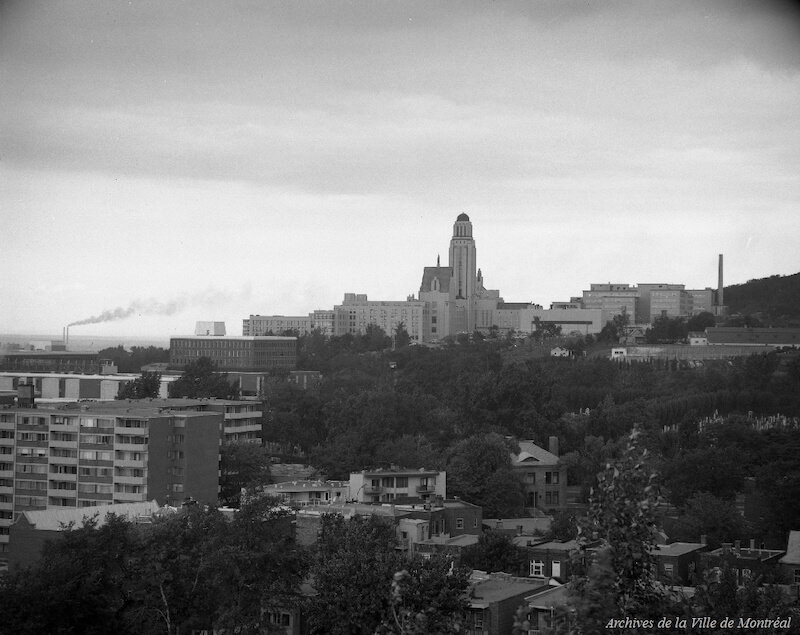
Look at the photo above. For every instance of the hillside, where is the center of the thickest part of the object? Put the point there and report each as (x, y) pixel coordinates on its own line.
(774, 301)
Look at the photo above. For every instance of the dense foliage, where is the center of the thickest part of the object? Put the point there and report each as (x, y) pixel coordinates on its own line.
(200, 378)
(193, 570)
(146, 386)
(773, 301)
(133, 360)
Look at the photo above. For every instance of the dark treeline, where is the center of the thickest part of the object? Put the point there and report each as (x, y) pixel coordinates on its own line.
(197, 570)
(131, 361)
(417, 406)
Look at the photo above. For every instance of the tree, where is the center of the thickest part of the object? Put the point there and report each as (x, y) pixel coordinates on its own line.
(353, 570)
(242, 465)
(564, 526)
(701, 321)
(79, 585)
(710, 516)
(145, 387)
(494, 551)
(621, 579)
(714, 470)
(201, 379)
(427, 596)
(666, 330)
(479, 471)
(401, 336)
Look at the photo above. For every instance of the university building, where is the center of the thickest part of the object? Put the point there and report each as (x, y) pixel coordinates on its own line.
(245, 354)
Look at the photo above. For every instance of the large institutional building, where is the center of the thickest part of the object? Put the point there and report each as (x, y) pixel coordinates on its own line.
(452, 299)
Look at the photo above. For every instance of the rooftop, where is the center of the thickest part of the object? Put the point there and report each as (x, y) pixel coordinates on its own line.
(486, 589)
(792, 549)
(677, 548)
(57, 519)
(532, 454)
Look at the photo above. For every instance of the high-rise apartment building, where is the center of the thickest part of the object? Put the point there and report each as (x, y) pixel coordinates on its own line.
(92, 455)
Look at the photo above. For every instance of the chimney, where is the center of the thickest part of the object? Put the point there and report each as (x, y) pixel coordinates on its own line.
(752, 544)
(552, 445)
(720, 289)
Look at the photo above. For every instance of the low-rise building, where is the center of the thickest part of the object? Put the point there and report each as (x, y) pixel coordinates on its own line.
(547, 558)
(677, 562)
(493, 601)
(748, 562)
(305, 493)
(790, 562)
(386, 485)
(32, 529)
(548, 609)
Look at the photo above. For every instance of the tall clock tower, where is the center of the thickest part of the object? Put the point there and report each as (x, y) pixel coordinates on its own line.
(463, 265)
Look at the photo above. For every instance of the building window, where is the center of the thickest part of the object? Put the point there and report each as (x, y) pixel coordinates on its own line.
(551, 478)
(537, 568)
(668, 570)
(401, 481)
(459, 523)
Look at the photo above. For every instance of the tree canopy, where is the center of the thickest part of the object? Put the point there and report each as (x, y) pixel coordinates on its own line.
(201, 379)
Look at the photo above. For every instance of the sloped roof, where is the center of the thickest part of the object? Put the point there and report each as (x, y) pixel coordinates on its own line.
(532, 454)
(58, 518)
(792, 549)
(429, 273)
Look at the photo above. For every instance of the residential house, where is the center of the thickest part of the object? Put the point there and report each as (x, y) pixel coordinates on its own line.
(543, 476)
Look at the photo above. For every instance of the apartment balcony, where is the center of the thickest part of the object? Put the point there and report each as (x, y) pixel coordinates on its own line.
(61, 476)
(230, 416)
(373, 489)
(425, 489)
(58, 443)
(130, 463)
(55, 492)
(142, 431)
(131, 480)
(130, 447)
(128, 497)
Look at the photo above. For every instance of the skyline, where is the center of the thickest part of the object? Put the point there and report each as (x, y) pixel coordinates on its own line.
(210, 162)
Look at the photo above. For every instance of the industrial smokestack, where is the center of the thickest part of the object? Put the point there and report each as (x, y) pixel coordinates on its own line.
(66, 338)
(720, 289)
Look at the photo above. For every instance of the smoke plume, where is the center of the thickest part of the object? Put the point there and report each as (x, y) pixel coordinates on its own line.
(211, 298)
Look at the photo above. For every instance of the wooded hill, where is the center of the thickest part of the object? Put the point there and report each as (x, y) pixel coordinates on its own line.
(773, 301)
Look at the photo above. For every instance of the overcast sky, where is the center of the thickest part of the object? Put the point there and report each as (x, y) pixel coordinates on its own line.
(209, 160)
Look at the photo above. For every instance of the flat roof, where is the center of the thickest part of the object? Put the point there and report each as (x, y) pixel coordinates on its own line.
(7, 353)
(496, 589)
(82, 408)
(236, 338)
(51, 375)
(56, 518)
(677, 548)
